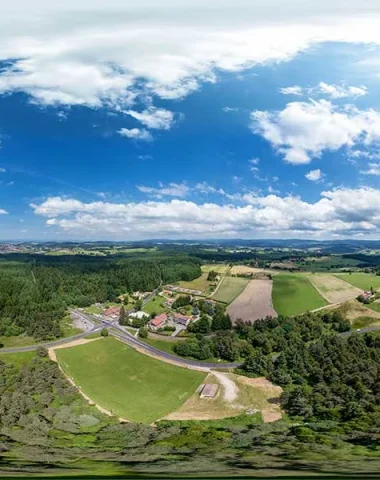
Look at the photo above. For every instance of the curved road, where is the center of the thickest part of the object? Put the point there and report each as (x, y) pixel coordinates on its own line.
(129, 339)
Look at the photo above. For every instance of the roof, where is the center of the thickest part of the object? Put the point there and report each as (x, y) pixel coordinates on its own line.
(209, 390)
(112, 311)
(157, 321)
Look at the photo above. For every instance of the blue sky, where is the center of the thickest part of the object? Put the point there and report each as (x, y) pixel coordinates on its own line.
(217, 137)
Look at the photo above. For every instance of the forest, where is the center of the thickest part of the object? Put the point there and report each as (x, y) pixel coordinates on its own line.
(36, 291)
(47, 427)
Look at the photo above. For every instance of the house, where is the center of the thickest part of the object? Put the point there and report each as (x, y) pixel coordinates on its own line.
(139, 315)
(158, 321)
(365, 296)
(112, 312)
(181, 319)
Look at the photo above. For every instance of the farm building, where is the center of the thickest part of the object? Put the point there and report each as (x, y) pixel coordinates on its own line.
(209, 390)
(112, 312)
(158, 321)
(365, 296)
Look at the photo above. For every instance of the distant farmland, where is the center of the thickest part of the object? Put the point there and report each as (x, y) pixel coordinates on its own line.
(293, 294)
(130, 384)
(230, 288)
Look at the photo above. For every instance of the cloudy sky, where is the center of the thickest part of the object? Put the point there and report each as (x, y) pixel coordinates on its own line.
(189, 119)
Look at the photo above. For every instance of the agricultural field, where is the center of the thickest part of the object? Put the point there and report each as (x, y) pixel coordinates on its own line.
(361, 280)
(327, 263)
(294, 294)
(244, 270)
(230, 288)
(130, 384)
(201, 283)
(254, 302)
(215, 267)
(333, 288)
(353, 309)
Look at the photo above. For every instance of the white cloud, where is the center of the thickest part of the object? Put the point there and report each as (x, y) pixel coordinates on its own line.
(340, 211)
(104, 53)
(230, 109)
(154, 118)
(303, 130)
(3, 212)
(136, 134)
(295, 90)
(171, 190)
(330, 90)
(336, 91)
(205, 188)
(314, 175)
(2, 170)
(373, 169)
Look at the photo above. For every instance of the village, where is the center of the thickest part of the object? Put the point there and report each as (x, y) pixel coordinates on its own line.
(167, 312)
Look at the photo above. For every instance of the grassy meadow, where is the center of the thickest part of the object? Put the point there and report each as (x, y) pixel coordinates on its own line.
(130, 384)
(294, 294)
(361, 280)
(230, 288)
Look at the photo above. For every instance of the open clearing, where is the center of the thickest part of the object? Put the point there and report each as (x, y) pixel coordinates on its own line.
(364, 281)
(245, 270)
(217, 267)
(130, 384)
(249, 395)
(333, 289)
(155, 305)
(230, 288)
(354, 309)
(254, 302)
(294, 294)
(201, 283)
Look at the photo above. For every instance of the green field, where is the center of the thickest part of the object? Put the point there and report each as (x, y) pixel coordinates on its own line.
(17, 359)
(199, 283)
(230, 288)
(130, 384)
(375, 306)
(294, 294)
(361, 280)
(154, 305)
(215, 267)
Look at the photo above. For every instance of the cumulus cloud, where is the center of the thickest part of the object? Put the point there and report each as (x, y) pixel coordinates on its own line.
(171, 190)
(314, 175)
(303, 130)
(105, 53)
(373, 169)
(154, 118)
(340, 211)
(3, 212)
(136, 134)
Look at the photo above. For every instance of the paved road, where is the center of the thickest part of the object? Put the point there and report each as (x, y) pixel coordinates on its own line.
(128, 338)
(54, 343)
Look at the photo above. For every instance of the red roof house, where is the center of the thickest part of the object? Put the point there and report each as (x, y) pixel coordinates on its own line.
(112, 311)
(158, 321)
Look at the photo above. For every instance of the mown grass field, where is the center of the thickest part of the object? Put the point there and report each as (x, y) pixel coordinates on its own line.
(199, 283)
(215, 267)
(154, 305)
(17, 359)
(294, 294)
(130, 384)
(361, 280)
(230, 289)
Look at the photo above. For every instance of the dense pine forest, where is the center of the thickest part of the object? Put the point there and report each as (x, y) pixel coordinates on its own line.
(35, 291)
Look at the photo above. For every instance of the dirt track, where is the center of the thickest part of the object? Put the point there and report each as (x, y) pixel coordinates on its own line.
(254, 302)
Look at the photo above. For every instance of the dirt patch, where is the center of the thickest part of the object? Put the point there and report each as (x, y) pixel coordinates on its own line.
(230, 388)
(254, 303)
(333, 289)
(354, 309)
(252, 395)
